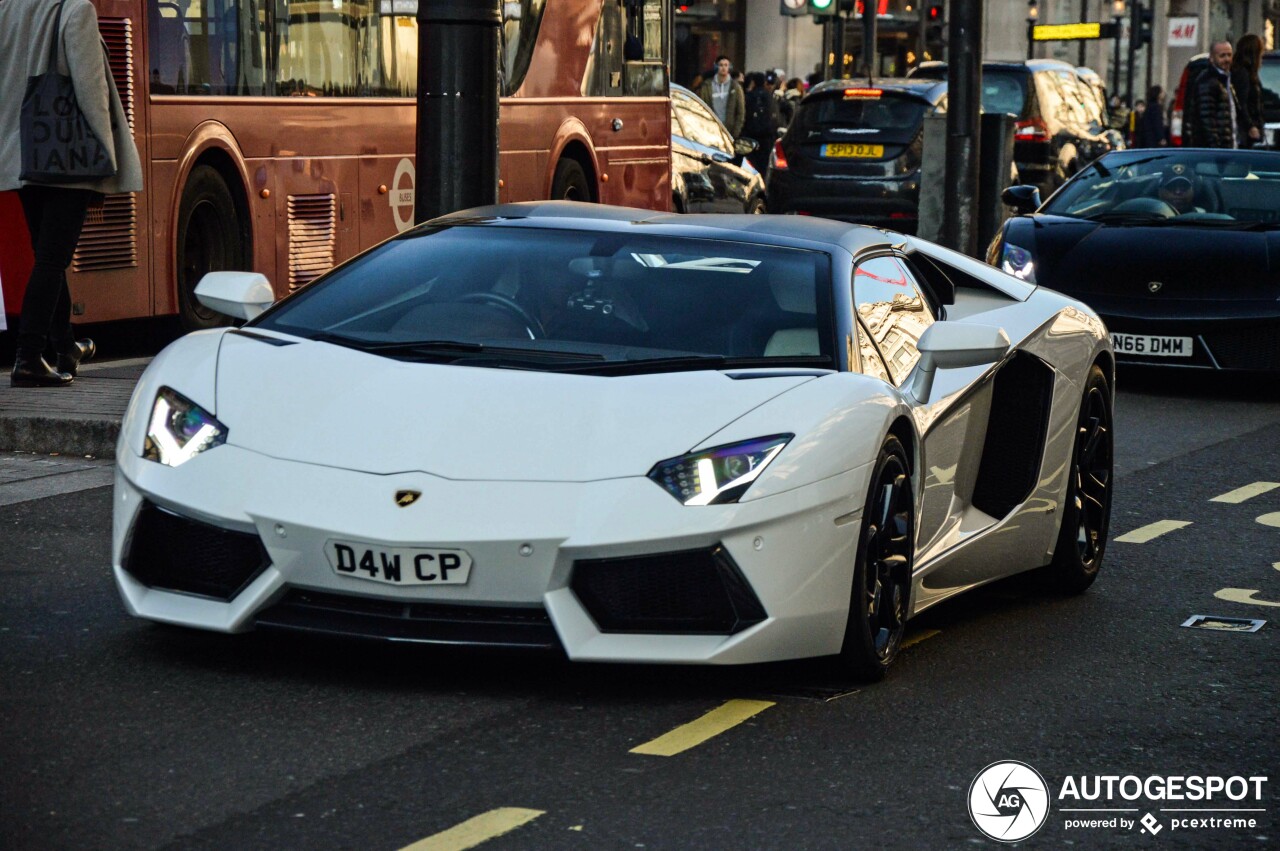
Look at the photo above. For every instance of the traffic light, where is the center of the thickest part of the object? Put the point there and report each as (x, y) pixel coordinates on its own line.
(935, 23)
(795, 8)
(822, 8)
(1140, 26)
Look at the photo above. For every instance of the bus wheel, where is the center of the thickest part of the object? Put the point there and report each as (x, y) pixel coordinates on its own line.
(209, 240)
(570, 182)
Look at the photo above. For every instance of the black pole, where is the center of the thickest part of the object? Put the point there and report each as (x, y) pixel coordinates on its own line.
(964, 87)
(458, 88)
(1115, 63)
(1135, 21)
(1031, 38)
(837, 47)
(869, 64)
(1084, 17)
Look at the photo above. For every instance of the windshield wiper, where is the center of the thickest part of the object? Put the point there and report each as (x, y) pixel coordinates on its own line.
(1133, 217)
(679, 363)
(1225, 224)
(452, 347)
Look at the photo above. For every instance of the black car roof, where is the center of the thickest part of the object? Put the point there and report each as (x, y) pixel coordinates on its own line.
(930, 90)
(786, 231)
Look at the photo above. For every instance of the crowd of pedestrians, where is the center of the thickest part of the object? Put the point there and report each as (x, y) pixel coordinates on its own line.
(1222, 104)
(752, 105)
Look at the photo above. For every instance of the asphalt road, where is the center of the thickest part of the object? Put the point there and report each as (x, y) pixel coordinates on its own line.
(115, 733)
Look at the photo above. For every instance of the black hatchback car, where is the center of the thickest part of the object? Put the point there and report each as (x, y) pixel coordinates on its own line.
(852, 152)
(1057, 132)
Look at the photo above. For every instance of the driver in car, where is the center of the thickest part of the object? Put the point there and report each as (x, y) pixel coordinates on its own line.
(1178, 191)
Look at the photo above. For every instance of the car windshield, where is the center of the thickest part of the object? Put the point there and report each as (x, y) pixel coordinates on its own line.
(868, 112)
(570, 300)
(1213, 188)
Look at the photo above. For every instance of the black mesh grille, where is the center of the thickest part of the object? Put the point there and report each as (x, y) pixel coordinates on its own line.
(695, 591)
(179, 554)
(1015, 435)
(1246, 348)
(439, 623)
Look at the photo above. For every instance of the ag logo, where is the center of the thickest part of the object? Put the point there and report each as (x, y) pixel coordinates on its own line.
(1008, 801)
(407, 498)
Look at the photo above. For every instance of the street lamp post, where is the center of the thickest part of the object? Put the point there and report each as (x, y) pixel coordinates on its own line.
(1033, 13)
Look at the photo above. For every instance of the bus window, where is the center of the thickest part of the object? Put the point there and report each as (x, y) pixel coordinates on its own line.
(520, 21)
(645, 72)
(209, 47)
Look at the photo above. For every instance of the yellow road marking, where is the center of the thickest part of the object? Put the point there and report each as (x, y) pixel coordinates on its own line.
(1247, 492)
(476, 830)
(1272, 519)
(1244, 595)
(923, 635)
(1152, 530)
(715, 722)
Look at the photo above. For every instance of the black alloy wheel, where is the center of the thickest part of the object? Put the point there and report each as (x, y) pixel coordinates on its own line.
(570, 182)
(1087, 505)
(880, 602)
(209, 239)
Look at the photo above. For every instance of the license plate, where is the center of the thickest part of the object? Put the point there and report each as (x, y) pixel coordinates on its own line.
(1144, 344)
(398, 565)
(844, 149)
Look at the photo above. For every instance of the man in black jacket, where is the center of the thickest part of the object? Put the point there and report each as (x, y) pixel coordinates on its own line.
(1217, 122)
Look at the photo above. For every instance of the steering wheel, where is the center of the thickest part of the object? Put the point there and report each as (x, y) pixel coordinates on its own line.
(531, 324)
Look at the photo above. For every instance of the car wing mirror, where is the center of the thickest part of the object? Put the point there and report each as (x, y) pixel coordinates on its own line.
(1023, 199)
(241, 295)
(742, 147)
(952, 345)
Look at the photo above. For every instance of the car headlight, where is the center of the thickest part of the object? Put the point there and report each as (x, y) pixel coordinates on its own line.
(720, 474)
(1017, 261)
(180, 429)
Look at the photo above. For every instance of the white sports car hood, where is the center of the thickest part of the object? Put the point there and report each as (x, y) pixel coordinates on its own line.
(324, 404)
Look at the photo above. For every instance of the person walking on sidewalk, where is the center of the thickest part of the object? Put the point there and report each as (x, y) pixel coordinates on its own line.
(1217, 107)
(1245, 80)
(39, 37)
(724, 95)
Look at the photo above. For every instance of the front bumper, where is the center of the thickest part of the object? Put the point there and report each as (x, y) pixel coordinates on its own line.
(1248, 343)
(524, 539)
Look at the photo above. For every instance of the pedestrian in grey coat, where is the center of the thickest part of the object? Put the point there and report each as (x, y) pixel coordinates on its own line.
(55, 213)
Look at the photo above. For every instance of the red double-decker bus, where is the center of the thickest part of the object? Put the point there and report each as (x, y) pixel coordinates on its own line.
(278, 136)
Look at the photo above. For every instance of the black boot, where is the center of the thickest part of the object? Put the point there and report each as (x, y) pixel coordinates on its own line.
(35, 372)
(69, 361)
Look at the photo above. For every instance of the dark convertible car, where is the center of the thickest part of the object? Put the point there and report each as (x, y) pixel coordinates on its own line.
(1178, 250)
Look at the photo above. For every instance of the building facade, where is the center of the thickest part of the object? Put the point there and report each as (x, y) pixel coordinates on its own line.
(757, 36)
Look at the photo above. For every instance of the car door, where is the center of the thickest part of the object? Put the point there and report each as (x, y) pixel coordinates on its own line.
(716, 179)
(893, 311)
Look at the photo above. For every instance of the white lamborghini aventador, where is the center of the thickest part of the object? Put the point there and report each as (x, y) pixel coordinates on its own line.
(632, 436)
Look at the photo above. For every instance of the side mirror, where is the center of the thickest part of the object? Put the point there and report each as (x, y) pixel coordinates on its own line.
(742, 147)
(240, 295)
(1023, 199)
(952, 345)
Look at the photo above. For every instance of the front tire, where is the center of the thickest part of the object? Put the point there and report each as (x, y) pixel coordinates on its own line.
(209, 239)
(880, 600)
(1086, 515)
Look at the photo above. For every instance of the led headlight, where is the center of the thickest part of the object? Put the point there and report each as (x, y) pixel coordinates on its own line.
(180, 429)
(720, 474)
(1017, 261)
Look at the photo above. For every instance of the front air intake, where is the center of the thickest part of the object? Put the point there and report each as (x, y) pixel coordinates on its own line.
(175, 553)
(692, 591)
